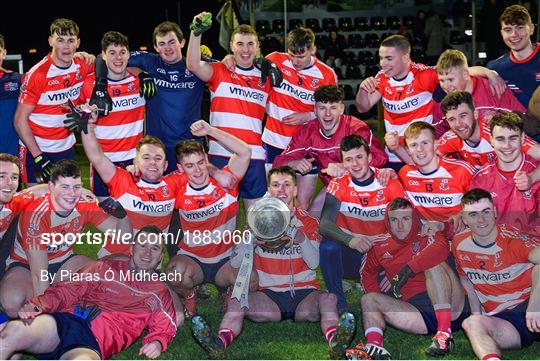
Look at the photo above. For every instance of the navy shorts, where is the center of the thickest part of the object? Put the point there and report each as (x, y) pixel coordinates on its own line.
(271, 152)
(425, 307)
(52, 268)
(254, 184)
(29, 171)
(210, 270)
(516, 316)
(98, 187)
(74, 332)
(286, 302)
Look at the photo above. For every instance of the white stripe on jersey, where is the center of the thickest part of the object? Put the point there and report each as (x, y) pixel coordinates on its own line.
(434, 200)
(401, 128)
(407, 105)
(48, 120)
(297, 92)
(275, 139)
(257, 152)
(355, 210)
(55, 71)
(60, 96)
(120, 131)
(127, 102)
(506, 300)
(54, 145)
(148, 208)
(484, 277)
(272, 108)
(231, 90)
(57, 220)
(237, 121)
(121, 156)
(284, 280)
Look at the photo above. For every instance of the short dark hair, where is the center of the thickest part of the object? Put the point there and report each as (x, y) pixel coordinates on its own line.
(114, 38)
(475, 195)
(167, 26)
(150, 139)
(516, 15)
(353, 141)
(300, 39)
(399, 42)
(10, 158)
(329, 94)
(66, 168)
(2, 41)
(187, 147)
(508, 120)
(63, 26)
(399, 203)
(453, 100)
(284, 169)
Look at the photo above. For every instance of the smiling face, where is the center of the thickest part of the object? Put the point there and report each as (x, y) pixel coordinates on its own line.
(422, 149)
(147, 251)
(65, 193)
(328, 115)
(116, 57)
(169, 47)
(453, 79)
(462, 121)
(63, 48)
(244, 48)
(394, 63)
(195, 165)
(9, 181)
(356, 162)
(150, 160)
(283, 186)
(481, 218)
(517, 37)
(507, 144)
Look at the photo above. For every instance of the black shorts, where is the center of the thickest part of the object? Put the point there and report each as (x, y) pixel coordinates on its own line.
(271, 152)
(516, 316)
(210, 270)
(98, 187)
(73, 332)
(52, 268)
(286, 302)
(423, 304)
(28, 173)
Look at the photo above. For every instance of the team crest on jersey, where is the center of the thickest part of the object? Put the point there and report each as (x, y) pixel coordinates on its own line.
(33, 229)
(491, 157)
(188, 74)
(165, 191)
(410, 89)
(234, 76)
(286, 72)
(78, 75)
(314, 82)
(415, 247)
(388, 90)
(131, 87)
(215, 194)
(527, 195)
(11, 86)
(380, 196)
(497, 262)
(444, 185)
(187, 202)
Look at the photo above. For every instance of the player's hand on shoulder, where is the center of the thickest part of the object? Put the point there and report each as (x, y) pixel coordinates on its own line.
(151, 350)
(229, 62)
(385, 174)
(296, 118)
(496, 84)
(89, 59)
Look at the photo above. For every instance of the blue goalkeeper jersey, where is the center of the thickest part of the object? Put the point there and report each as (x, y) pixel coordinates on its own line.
(10, 83)
(177, 103)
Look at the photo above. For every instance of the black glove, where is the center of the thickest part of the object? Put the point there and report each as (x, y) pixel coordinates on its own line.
(45, 168)
(199, 26)
(400, 279)
(268, 69)
(100, 95)
(113, 207)
(147, 85)
(77, 120)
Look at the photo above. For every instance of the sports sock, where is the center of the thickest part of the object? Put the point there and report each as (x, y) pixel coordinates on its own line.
(443, 313)
(226, 336)
(491, 356)
(374, 335)
(330, 333)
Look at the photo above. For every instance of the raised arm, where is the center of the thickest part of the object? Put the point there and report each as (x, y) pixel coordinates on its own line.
(200, 68)
(368, 95)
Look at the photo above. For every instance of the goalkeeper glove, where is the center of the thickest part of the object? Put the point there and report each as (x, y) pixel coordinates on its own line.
(268, 70)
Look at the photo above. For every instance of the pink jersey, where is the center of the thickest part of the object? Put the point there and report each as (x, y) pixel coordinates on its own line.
(238, 106)
(145, 203)
(476, 155)
(391, 255)
(407, 100)
(485, 103)
(295, 95)
(10, 210)
(285, 269)
(119, 132)
(208, 218)
(47, 87)
(500, 273)
(514, 207)
(362, 207)
(437, 195)
(40, 222)
(310, 141)
(128, 306)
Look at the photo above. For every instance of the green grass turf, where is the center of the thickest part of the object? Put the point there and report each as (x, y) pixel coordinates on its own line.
(289, 340)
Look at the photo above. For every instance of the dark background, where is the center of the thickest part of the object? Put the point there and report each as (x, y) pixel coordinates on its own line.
(25, 25)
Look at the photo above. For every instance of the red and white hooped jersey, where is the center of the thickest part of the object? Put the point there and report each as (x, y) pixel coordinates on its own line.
(362, 208)
(285, 269)
(10, 210)
(119, 132)
(407, 100)
(437, 195)
(39, 223)
(238, 105)
(295, 95)
(145, 203)
(501, 273)
(208, 218)
(478, 155)
(48, 87)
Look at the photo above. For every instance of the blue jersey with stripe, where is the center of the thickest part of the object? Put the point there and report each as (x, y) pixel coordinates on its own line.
(10, 84)
(522, 77)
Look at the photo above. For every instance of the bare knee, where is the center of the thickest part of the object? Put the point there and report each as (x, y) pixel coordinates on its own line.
(12, 302)
(327, 298)
(474, 323)
(80, 354)
(369, 301)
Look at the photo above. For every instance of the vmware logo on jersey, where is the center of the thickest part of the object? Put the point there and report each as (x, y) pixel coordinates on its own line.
(72, 93)
(152, 207)
(199, 215)
(487, 277)
(300, 94)
(427, 200)
(250, 94)
(405, 105)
